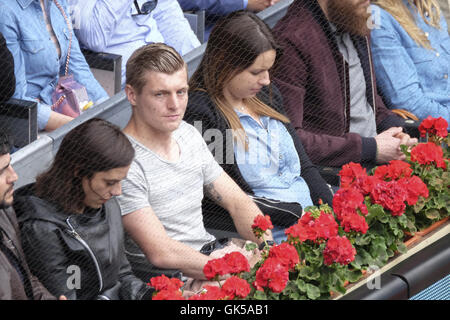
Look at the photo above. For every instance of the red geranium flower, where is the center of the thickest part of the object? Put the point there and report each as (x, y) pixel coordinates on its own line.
(273, 275)
(286, 254)
(391, 196)
(215, 267)
(261, 224)
(348, 201)
(428, 153)
(211, 293)
(236, 287)
(310, 228)
(415, 188)
(164, 283)
(434, 127)
(236, 262)
(354, 222)
(395, 170)
(339, 250)
(351, 174)
(168, 295)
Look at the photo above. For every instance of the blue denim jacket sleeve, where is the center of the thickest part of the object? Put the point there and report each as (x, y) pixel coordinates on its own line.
(37, 65)
(220, 7)
(12, 39)
(411, 77)
(174, 27)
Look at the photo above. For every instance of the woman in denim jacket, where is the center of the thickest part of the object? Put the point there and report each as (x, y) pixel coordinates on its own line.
(37, 35)
(411, 53)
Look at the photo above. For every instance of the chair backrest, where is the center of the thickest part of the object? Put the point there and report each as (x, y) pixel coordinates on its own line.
(106, 68)
(197, 21)
(19, 119)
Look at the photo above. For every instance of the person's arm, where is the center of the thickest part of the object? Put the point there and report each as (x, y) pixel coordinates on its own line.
(147, 231)
(7, 78)
(397, 75)
(174, 27)
(96, 20)
(225, 192)
(47, 258)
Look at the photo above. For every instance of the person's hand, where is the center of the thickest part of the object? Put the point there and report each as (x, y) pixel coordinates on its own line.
(388, 145)
(406, 140)
(62, 298)
(259, 5)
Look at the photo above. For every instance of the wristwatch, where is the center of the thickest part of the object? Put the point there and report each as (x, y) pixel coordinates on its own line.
(270, 243)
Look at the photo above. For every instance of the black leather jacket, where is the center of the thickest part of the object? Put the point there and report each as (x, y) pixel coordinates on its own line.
(80, 256)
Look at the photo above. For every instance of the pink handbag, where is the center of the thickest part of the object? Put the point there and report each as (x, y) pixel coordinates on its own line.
(69, 96)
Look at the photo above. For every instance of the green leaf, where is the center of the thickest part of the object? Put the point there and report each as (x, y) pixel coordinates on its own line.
(312, 291)
(353, 275)
(251, 246)
(401, 247)
(260, 295)
(432, 214)
(301, 285)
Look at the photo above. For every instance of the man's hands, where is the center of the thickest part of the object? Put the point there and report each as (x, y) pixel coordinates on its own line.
(259, 5)
(388, 144)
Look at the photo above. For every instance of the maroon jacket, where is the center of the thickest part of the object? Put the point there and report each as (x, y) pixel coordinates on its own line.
(313, 78)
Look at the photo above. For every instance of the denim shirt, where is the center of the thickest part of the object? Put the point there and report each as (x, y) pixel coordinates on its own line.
(110, 26)
(37, 65)
(412, 77)
(271, 166)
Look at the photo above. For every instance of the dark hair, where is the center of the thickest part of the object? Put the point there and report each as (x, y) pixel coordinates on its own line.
(5, 143)
(94, 146)
(234, 44)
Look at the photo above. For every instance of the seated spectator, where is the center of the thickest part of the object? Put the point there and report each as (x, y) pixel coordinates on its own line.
(162, 194)
(38, 36)
(215, 9)
(7, 78)
(121, 27)
(445, 9)
(326, 80)
(72, 238)
(268, 159)
(411, 54)
(16, 280)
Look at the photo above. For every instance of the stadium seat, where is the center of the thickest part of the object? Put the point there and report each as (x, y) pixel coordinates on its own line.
(197, 21)
(19, 119)
(106, 68)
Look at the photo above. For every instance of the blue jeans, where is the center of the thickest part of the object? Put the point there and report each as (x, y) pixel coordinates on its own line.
(278, 234)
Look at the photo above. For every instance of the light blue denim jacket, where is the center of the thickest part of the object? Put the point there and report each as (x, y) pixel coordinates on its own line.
(412, 77)
(37, 65)
(271, 166)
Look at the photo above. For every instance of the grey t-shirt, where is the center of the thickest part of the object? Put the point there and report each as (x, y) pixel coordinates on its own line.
(362, 117)
(174, 190)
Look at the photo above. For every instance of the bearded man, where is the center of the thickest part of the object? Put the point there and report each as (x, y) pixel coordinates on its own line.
(326, 77)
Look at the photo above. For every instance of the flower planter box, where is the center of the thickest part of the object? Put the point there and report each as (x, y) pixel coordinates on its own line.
(416, 243)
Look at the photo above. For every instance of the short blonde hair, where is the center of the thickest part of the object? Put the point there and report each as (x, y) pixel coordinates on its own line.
(157, 57)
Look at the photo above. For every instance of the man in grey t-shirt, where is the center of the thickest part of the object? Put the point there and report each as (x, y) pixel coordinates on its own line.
(162, 194)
